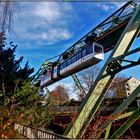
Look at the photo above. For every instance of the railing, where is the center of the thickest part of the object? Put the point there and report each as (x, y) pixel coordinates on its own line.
(64, 110)
(34, 133)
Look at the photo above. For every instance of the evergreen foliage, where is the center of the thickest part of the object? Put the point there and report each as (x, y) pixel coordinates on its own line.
(19, 101)
(11, 73)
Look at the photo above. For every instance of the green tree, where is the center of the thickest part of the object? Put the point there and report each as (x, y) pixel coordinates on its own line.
(19, 101)
(34, 112)
(11, 73)
(24, 106)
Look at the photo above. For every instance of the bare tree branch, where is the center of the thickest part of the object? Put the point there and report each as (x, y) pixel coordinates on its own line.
(7, 11)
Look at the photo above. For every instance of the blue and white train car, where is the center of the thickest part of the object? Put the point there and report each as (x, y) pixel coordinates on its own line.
(46, 79)
(88, 56)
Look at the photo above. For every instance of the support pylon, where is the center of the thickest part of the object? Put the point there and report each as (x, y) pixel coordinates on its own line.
(79, 86)
(101, 85)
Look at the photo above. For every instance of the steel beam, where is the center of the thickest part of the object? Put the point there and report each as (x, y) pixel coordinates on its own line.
(123, 128)
(120, 109)
(78, 84)
(98, 90)
(122, 116)
(108, 131)
(108, 128)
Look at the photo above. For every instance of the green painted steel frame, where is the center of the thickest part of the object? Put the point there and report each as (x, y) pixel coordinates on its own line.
(111, 19)
(127, 124)
(98, 90)
(119, 110)
(78, 84)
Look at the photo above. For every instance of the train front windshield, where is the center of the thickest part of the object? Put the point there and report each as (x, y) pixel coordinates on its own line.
(98, 49)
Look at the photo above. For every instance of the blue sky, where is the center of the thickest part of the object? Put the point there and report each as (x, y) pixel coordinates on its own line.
(46, 29)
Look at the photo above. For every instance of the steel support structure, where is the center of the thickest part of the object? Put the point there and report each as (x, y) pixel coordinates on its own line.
(127, 124)
(79, 85)
(97, 91)
(119, 110)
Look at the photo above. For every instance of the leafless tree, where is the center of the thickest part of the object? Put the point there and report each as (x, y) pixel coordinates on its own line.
(119, 79)
(89, 75)
(117, 83)
(7, 11)
(86, 78)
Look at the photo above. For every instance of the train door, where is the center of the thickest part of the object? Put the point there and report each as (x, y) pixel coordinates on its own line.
(63, 68)
(98, 51)
(87, 53)
(55, 72)
(46, 79)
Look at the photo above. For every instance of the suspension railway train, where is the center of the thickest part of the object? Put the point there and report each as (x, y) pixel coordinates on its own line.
(89, 55)
(108, 32)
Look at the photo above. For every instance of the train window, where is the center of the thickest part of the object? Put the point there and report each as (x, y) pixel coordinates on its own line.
(47, 75)
(89, 50)
(78, 55)
(83, 52)
(63, 65)
(55, 69)
(44, 72)
(98, 49)
(68, 61)
(73, 59)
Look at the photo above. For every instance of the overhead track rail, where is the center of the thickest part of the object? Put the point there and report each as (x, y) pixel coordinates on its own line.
(106, 34)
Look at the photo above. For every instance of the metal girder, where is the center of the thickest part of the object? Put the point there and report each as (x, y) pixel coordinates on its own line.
(116, 66)
(120, 59)
(98, 90)
(108, 131)
(45, 66)
(127, 54)
(127, 124)
(123, 14)
(120, 109)
(78, 84)
(122, 116)
(118, 118)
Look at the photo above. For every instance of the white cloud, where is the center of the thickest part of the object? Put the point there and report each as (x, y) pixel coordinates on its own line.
(49, 22)
(106, 6)
(118, 4)
(53, 35)
(49, 11)
(44, 21)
